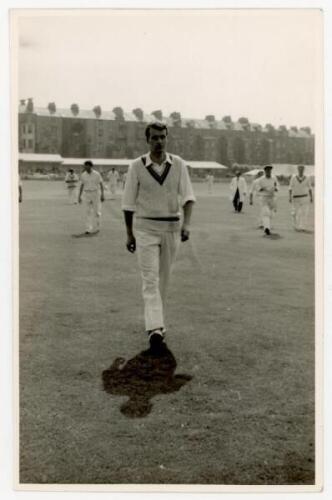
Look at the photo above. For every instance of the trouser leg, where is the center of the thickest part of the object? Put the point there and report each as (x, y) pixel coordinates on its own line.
(112, 190)
(236, 199)
(303, 214)
(97, 212)
(294, 214)
(239, 206)
(168, 251)
(266, 216)
(148, 253)
(89, 215)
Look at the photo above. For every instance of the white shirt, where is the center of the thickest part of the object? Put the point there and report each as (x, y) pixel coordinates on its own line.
(91, 182)
(71, 179)
(267, 187)
(300, 186)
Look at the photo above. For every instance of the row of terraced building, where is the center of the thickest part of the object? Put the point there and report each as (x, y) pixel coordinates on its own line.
(76, 133)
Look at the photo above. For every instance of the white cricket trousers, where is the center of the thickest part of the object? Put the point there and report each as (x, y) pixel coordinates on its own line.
(93, 210)
(156, 252)
(112, 188)
(72, 195)
(268, 210)
(300, 212)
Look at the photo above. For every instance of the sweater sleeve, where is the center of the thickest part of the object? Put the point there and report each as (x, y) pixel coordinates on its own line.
(186, 190)
(130, 190)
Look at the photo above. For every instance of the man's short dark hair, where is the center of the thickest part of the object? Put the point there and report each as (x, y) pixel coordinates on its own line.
(88, 163)
(157, 126)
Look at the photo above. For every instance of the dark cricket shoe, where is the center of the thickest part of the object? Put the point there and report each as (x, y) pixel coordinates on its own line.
(156, 339)
(267, 231)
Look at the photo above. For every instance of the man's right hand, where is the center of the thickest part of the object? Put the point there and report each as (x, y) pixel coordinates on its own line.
(131, 244)
(80, 200)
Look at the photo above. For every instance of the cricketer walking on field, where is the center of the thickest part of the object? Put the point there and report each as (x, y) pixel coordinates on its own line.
(113, 177)
(239, 190)
(300, 192)
(267, 186)
(71, 181)
(254, 194)
(154, 184)
(93, 187)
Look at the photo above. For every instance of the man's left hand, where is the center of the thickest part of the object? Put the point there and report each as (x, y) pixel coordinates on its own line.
(102, 198)
(185, 233)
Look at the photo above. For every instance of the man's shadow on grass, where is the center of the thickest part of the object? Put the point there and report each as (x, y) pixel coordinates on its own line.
(85, 235)
(146, 375)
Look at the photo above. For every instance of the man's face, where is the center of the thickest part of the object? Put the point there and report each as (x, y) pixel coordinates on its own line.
(268, 172)
(88, 168)
(300, 170)
(157, 141)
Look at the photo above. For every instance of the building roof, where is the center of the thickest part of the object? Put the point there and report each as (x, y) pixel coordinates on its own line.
(283, 169)
(205, 165)
(147, 117)
(98, 161)
(35, 157)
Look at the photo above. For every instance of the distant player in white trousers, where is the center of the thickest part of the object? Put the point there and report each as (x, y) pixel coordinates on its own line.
(210, 181)
(154, 184)
(113, 178)
(254, 194)
(71, 181)
(300, 193)
(93, 187)
(267, 187)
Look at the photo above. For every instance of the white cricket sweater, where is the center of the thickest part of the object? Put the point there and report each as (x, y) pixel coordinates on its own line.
(154, 192)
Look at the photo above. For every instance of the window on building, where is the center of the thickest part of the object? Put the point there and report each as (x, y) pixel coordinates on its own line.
(30, 128)
(30, 143)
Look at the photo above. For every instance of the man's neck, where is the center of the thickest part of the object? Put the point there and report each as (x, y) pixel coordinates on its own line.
(158, 157)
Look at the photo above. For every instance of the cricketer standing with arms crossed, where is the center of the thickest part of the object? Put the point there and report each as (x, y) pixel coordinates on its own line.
(155, 182)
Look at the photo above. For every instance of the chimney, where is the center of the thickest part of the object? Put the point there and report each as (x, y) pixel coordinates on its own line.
(97, 111)
(29, 107)
(75, 109)
(52, 108)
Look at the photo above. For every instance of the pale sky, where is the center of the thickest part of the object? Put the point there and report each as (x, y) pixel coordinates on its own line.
(261, 64)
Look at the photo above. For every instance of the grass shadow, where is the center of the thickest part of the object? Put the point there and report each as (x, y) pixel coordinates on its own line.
(273, 236)
(85, 235)
(146, 375)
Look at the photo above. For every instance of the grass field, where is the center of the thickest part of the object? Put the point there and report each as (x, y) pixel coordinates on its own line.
(232, 400)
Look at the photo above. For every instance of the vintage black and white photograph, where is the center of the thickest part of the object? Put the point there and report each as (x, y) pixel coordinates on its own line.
(169, 187)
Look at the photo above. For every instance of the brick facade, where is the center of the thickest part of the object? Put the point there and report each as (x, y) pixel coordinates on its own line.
(94, 134)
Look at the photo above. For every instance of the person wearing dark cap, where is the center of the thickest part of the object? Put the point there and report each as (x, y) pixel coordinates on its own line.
(267, 187)
(157, 186)
(93, 187)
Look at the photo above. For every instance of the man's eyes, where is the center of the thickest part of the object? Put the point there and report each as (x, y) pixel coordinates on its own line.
(156, 137)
